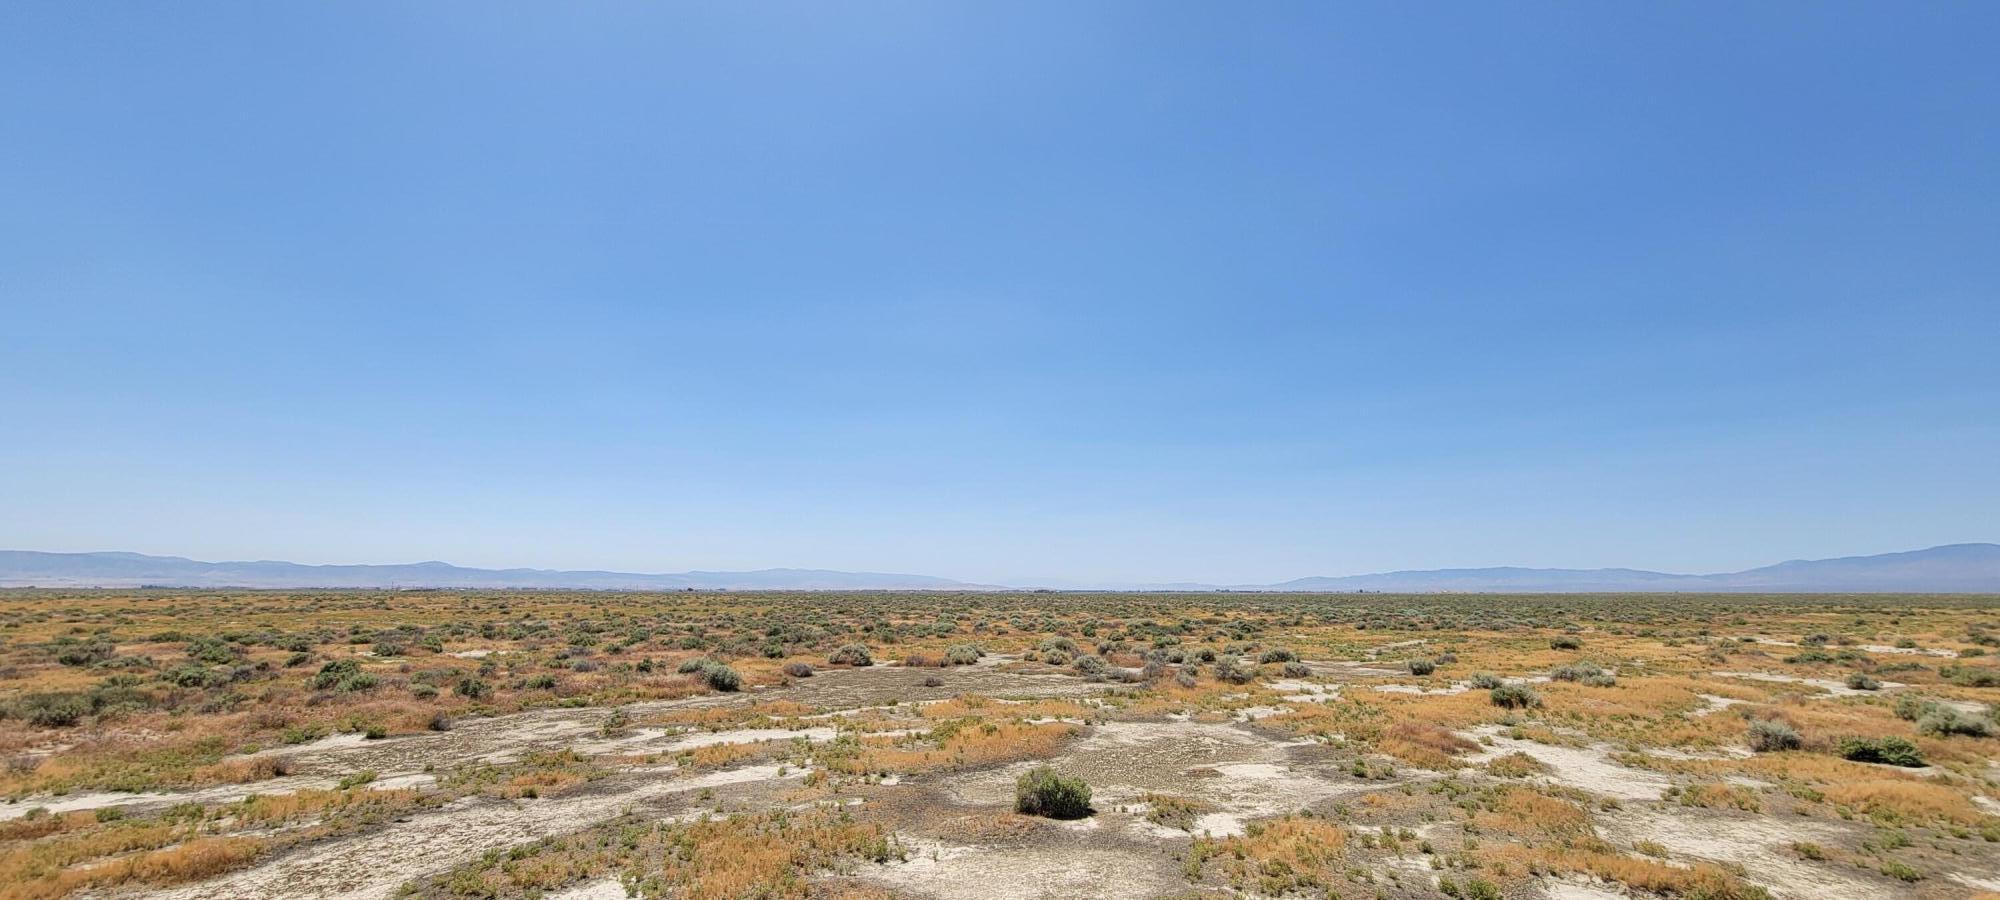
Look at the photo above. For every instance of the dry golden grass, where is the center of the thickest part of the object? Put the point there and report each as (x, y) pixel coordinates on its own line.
(270, 808)
(1718, 795)
(39, 872)
(716, 718)
(1292, 853)
(1598, 859)
(1516, 765)
(956, 745)
(1906, 801)
(1423, 744)
(1523, 811)
(716, 756)
(768, 856)
(975, 705)
(243, 771)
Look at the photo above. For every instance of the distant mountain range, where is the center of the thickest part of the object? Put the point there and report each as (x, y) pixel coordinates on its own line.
(1954, 568)
(26, 567)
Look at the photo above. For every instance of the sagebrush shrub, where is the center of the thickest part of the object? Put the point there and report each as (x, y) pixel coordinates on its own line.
(1771, 735)
(1894, 751)
(1515, 696)
(1044, 792)
(851, 655)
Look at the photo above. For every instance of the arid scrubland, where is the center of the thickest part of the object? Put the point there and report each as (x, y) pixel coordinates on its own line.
(864, 745)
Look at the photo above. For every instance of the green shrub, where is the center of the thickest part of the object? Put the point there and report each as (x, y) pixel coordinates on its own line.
(71, 652)
(1944, 721)
(1771, 735)
(1971, 676)
(851, 655)
(1861, 682)
(1485, 681)
(1584, 673)
(721, 677)
(1515, 696)
(1278, 655)
(194, 676)
(473, 689)
(331, 675)
(1901, 871)
(962, 654)
(1421, 666)
(51, 710)
(1043, 792)
(1566, 642)
(1894, 751)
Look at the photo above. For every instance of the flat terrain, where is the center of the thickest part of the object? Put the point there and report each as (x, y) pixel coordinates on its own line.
(868, 745)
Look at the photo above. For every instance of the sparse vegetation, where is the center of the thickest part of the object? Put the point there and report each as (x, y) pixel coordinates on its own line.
(169, 691)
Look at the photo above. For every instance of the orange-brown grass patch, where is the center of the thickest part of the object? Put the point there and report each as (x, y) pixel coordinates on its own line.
(195, 860)
(28, 828)
(1542, 734)
(244, 771)
(137, 761)
(715, 718)
(1424, 744)
(1807, 767)
(41, 871)
(50, 855)
(1516, 765)
(1292, 853)
(1454, 711)
(988, 827)
(955, 744)
(1906, 801)
(979, 706)
(1385, 801)
(1597, 858)
(770, 856)
(1720, 795)
(859, 892)
(542, 783)
(715, 756)
(263, 808)
(1518, 810)
(1174, 811)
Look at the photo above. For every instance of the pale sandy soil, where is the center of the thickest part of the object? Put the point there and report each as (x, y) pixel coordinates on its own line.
(1588, 768)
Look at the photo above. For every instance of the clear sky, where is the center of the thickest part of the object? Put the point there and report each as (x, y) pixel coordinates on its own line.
(1015, 290)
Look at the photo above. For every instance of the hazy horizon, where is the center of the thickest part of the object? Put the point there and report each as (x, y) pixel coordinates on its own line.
(1085, 293)
(1942, 567)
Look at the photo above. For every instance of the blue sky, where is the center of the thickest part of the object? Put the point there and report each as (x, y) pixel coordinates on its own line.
(1010, 291)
